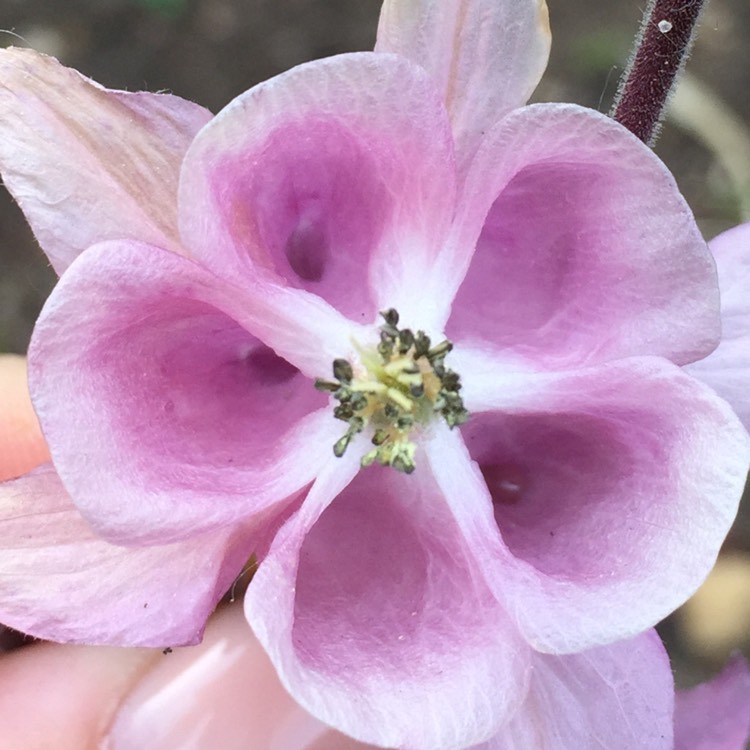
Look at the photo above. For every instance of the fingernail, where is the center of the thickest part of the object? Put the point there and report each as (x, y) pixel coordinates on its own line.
(223, 694)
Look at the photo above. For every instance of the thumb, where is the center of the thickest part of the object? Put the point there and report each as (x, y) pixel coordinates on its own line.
(22, 446)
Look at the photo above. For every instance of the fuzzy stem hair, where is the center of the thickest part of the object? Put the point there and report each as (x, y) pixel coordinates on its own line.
(659, 54)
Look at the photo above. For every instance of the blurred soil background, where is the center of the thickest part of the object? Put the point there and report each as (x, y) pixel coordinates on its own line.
(211, 50)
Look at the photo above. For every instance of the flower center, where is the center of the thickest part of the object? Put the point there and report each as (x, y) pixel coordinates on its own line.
(402, 384)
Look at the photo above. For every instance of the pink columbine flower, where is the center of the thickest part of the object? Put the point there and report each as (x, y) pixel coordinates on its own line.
(214, 269)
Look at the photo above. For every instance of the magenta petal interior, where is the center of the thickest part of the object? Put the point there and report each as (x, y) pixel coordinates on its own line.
(310, 199)
(336, 178)
(554, 480)
(162, 411)
(586, 251)
(613, 496)
(542, 274)
(370, 581)
(393, 635)
(201, 394)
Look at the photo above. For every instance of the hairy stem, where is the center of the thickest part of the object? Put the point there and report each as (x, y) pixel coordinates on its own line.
(659, 54)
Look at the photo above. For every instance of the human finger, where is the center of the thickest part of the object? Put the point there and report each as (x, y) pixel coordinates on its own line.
(22, 445)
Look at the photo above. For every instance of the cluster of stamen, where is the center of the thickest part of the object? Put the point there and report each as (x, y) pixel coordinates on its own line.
(407, 382)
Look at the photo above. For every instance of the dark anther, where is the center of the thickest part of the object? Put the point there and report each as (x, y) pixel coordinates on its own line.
(405, 422)
(405, 340)
(326, 385)
(356, 424)
(390, 411)
(385, 350)
(417, 391)
(358, 401)
(451, 381)
(439, 350)
(421, 344)
(402, 464)
(390, 316)
(340, 446)
(344, 412)
(342, 371)
(380, 437)
(454, 418)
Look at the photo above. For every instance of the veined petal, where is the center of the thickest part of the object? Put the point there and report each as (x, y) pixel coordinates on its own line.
(59, 581)
(586, 250)
(485, 56)
(87, 164)
(378, 619)
(618, 697)
(335, 178)
(165, 415)
(612, 490)
(727, 369)
(716, 714)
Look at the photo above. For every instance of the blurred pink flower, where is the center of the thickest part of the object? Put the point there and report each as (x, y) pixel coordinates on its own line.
(213, 268)
(716, 714)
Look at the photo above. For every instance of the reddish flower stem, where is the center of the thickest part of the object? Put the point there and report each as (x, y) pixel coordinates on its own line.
(660, 51)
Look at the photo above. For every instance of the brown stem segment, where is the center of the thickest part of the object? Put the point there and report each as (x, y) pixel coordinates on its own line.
(660, 52)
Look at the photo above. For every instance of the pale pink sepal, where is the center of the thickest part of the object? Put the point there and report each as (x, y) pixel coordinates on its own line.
(727, 369)
(586, 251)
(88, 164)
(164, 413)
(485, 56)
(603, 498)
(618, 697)
(335, 178)
(61, 582)
(715, 715)
(362, 616)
